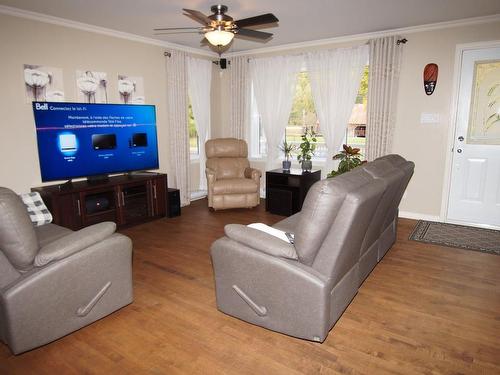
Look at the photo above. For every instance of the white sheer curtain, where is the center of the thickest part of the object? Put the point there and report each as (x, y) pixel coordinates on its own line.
(274, 81)
(335, 76)
(199, 83)
(385, 65)
(177, 100)
(239, 88)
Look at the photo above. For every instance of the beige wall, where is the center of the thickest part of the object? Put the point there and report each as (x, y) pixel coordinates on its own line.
(425, 144)
(28, 42)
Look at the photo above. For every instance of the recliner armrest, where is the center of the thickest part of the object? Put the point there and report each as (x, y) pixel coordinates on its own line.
(261, 241)
(74, 242)
(253, 173)
(210, 173)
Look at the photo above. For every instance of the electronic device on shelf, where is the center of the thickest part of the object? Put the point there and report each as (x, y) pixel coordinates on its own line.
(89, 140)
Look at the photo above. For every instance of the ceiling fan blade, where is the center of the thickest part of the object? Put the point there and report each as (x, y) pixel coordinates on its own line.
(176, 32)
(253, 34)
(257, 20)
(197, 16)
(177, 28)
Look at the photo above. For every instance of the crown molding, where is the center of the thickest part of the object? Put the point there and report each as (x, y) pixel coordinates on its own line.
(366, 36)
(16, 12)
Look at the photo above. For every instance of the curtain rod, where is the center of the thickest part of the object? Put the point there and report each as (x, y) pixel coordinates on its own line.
(398, 42)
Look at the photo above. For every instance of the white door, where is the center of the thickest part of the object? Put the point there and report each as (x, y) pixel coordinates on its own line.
(475, 177)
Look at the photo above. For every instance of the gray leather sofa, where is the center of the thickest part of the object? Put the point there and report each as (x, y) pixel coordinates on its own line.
(54, 281)
(346, 226)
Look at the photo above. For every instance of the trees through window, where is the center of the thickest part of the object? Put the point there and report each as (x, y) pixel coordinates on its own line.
(194, 145)
(303, 114)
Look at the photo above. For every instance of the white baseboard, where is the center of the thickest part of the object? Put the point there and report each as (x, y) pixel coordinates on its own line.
(417, 216)
(198, 194)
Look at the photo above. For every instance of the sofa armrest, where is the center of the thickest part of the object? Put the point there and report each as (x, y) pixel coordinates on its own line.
(290, 297)
(211, 175)
(254, 174)
(74, 242)
(211, 178)
(261, 241)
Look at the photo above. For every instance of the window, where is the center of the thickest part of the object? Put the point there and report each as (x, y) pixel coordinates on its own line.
(303, 114)
(258, 143)
(194, 145)
(356, 129)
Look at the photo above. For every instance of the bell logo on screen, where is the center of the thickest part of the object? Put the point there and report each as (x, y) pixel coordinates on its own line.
(42, 107)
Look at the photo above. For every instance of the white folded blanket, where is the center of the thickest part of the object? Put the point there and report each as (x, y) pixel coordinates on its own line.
(270, 230)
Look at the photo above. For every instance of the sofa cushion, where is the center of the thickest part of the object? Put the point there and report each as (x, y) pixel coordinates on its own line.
(228, 167)
(38, 211)
(226, 148)
(17, 237)
(235, 186)
(394, 159)
(319, 210)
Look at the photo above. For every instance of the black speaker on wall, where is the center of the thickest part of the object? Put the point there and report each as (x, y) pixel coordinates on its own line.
(174, 203)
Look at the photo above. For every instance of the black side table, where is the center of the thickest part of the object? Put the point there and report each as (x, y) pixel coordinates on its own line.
(286, 191)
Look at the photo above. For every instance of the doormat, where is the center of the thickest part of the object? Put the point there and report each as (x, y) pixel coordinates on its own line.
(452, 235)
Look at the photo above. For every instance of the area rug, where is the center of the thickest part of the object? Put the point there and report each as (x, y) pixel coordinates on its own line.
(463, 237)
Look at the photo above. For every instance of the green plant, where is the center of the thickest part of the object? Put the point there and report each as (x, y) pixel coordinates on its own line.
(287, 149)
(307, 146)
(349, 158)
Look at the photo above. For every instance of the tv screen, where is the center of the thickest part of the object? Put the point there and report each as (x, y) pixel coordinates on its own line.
(81, 140)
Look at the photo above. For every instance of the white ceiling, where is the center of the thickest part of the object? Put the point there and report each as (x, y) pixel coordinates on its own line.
(300, 21)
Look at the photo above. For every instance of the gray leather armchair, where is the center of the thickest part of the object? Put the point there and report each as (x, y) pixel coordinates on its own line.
(54, 281)
(346, 226)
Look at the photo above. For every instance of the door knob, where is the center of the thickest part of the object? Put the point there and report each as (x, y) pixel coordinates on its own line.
(461, 139)
(459, 150)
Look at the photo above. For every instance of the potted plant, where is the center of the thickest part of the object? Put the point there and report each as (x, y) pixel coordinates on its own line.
(287, 149)
(349, 158)
(307, 147)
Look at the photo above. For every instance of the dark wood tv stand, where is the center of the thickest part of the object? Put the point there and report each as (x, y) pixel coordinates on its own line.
(125, 199)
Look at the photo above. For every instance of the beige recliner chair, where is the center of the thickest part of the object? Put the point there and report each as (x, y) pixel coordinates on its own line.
(54, 281)
(230, 180)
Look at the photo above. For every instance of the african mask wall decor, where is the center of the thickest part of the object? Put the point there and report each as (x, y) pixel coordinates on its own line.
(430, 78)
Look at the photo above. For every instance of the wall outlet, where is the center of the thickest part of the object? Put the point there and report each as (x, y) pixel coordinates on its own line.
(429, 118)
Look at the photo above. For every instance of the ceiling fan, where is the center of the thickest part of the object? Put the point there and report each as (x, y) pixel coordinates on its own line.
(220, 29)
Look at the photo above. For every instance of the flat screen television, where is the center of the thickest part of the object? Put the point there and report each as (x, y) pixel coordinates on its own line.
(85, 140)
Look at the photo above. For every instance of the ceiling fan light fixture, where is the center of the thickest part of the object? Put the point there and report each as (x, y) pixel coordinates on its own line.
(219, 38)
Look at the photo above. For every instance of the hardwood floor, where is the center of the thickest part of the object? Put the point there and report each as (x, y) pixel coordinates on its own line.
(424, 310)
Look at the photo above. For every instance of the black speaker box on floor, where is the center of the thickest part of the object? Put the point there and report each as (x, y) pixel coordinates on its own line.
(174, 203)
